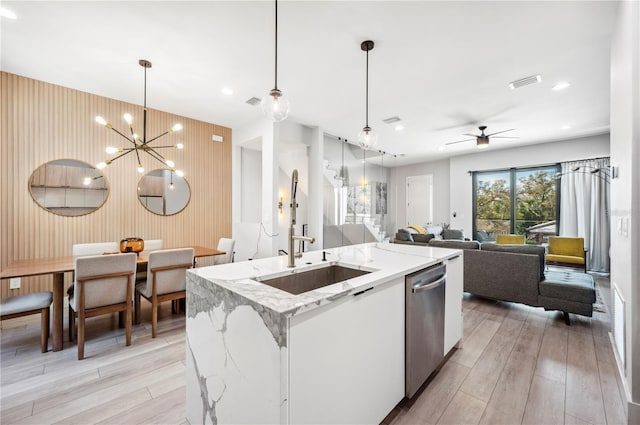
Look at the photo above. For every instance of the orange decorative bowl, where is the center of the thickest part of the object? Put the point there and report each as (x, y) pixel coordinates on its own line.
(132, 245)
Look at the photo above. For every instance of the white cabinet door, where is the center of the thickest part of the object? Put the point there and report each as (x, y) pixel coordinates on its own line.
(346, 359)
(453, 303)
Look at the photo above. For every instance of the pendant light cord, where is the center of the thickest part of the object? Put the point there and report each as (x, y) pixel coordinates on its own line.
(144, 111)
(276, 65)
(367, 92)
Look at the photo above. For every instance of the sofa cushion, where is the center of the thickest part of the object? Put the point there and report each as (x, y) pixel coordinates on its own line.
(435, 230)
(454, 244)
(567, 285)
(565, 259)
(519, 249)
(483, 236)
(453, 234)
(418, 229)
(404, 235)
(422, 238)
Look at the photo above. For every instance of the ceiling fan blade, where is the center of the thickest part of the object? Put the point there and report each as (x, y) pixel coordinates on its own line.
(459, 141)
(472, 135)
(505, 137)
(503, 131)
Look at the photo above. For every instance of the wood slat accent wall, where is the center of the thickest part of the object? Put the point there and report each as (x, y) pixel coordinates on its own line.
(41, 122)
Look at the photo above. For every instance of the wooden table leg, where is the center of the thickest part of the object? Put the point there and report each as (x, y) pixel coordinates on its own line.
(58, 308)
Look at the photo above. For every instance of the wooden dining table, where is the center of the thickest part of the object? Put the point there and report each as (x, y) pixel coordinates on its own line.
(57, 267)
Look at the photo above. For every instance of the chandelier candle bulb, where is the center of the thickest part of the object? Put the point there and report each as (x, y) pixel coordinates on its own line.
(127, 117)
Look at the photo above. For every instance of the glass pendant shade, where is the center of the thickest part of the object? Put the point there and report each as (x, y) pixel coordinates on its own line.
(275, 106)
(367, 138)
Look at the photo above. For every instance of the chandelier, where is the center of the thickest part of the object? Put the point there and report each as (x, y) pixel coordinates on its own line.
(139, 144)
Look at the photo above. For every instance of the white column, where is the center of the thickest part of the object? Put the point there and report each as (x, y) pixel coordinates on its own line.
(269, 245)
(316, 187)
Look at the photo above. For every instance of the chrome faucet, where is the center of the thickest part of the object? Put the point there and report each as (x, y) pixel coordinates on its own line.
(292, 235)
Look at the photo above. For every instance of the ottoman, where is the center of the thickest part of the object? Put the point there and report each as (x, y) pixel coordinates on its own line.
(567, 291)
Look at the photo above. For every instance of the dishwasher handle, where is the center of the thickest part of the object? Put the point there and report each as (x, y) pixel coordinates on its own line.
(429, 286)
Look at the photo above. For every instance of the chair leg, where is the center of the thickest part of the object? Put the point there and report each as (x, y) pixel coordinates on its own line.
(566, 318)
(44, 338)
(154, 318)
(138, 313)
(72, 325)
(128, 318)
(80, 336)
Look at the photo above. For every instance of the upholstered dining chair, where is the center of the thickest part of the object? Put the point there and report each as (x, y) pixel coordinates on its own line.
(83, 249)
(566, 252)
(510, 239)
(226, 245)
(149, 246)
(166, 281)
(103, 284)
(23, 305)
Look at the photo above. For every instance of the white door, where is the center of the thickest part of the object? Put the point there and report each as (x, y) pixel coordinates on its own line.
(420, 199)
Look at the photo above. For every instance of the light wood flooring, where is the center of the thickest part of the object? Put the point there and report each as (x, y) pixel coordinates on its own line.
(518, 365)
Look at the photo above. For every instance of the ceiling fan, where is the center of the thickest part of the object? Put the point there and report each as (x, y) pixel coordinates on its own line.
(482, 140)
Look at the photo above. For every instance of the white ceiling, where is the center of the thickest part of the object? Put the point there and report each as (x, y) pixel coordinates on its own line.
(443, 67)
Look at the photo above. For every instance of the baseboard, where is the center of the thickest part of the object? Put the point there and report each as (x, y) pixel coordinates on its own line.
(632, 409)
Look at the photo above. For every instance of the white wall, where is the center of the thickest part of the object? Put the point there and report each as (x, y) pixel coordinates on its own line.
(625, 190)
(251, 181)
(398, 192)
(460, 198)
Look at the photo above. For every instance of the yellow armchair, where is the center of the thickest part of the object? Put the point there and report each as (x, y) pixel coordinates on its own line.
(510, 239)
(566, 252)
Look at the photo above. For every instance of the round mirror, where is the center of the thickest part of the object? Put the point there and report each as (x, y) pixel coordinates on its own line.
(163, 192)
(68, 187)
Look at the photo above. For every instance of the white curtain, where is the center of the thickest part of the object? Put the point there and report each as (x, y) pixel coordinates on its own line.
(584, 208)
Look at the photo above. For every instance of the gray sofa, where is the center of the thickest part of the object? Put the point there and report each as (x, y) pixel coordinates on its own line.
(517, 273)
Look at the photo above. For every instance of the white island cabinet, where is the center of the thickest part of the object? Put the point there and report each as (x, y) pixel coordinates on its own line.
(257, 354)
(350, 357)
(453, 303)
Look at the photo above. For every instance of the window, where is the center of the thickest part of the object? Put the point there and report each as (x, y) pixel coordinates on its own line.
(522, 201)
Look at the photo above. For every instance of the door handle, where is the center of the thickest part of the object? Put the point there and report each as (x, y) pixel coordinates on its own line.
(429, 286)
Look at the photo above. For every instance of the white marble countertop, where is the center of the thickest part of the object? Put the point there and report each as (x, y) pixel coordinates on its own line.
(384, 261)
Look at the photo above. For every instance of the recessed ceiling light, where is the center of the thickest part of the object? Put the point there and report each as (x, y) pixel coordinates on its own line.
(561, 85)
(6, 13)
(399, 127)
(565, 127)
(227, 90)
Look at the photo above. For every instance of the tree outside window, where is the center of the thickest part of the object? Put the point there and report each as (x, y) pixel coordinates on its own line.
(519, 201)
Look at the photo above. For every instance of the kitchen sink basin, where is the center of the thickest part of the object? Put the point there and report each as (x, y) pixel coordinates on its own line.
(297, 283)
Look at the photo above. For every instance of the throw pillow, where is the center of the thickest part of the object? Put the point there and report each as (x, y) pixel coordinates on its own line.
(422, 238)
(418, 229)
(452, 234)
(435, 230)
(404, 235)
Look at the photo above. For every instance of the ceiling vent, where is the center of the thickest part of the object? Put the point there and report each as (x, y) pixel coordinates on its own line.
(391, 120)
(253, 101)
(525, 82)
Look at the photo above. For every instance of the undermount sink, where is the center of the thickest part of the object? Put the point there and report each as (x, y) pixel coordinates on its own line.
(297, 283)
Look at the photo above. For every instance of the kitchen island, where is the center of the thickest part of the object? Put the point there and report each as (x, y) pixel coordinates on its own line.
(335, 354)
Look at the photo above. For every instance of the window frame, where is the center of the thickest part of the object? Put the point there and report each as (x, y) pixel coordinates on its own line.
(512, 193)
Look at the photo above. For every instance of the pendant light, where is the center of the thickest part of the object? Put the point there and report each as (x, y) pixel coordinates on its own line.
(274, 105)
(367, 138)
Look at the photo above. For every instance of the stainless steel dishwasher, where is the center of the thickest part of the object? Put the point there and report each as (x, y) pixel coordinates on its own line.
(424, 327)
